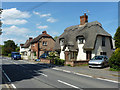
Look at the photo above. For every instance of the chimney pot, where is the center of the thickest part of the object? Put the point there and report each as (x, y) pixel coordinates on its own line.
(83, 19)
(44, 32)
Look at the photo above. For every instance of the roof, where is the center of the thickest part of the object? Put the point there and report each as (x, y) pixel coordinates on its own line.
(40, 36)
(89, 31)
(27, 44)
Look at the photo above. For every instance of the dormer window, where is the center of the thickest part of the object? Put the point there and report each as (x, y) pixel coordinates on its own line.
(81, 40)
(44, 43)
(61, 42)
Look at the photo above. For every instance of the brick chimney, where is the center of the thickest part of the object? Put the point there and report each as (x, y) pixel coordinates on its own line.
(83, 19)
(21, 45)
(30, 38)
(44, 32)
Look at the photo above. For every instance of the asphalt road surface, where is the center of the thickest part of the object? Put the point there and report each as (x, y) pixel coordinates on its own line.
(23, 74)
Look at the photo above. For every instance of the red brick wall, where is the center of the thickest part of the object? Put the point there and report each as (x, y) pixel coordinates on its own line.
(45, 60)
(76, 63)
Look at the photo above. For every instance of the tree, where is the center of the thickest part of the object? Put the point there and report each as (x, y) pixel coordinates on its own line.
(55, 38)
(117, 38)
(8, 47)
(0, 21)
(114, 61)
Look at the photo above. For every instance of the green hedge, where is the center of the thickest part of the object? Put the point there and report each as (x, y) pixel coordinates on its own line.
(59, 62)
(114, 61)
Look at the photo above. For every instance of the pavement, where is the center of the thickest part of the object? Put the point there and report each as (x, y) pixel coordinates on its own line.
(25, 74)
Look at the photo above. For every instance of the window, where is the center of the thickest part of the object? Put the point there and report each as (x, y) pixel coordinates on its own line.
(62, 42)
(80, 40)
(103, 41)
(73, 55)
(44, 43)
(103, 53)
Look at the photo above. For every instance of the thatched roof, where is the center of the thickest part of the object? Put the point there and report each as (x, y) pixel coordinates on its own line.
(89, 31)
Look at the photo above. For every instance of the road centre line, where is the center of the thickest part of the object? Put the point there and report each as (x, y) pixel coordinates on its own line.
(41, 73)
(9, 79)
(68, 84)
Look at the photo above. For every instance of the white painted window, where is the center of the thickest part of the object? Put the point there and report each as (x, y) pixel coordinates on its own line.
(62, 42)
(44, 43)
(80, 40)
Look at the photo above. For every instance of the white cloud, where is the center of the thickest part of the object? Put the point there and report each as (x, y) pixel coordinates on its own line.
(14, 13)
(43, 27)
(51, 20)
(37, 13)
(13, 30)
(54, 33)
(45, 15)
(41, 15)
(14, 21)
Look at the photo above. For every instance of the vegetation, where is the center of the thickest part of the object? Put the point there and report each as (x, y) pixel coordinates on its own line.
(55, 38)
(114, 61)
(54, 57)
(8, 47)
(117, 38)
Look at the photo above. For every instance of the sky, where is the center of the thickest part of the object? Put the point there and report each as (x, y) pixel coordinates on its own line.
(22, 20)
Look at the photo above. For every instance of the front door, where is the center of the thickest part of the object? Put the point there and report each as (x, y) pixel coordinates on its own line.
(88, 55)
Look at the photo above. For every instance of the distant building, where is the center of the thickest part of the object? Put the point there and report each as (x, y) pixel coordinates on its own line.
(43, 43)
(84, 41)
(25, 49)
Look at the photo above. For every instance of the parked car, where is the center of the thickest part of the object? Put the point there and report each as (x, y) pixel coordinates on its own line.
(44, 55)
(15, 56)
(99, 61)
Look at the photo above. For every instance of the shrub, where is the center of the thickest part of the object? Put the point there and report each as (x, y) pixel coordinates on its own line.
(9, 55)
(68, 65)
(114, 61)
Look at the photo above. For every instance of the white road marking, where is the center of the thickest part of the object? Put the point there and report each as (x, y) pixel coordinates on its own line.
(107, 80)
(66, 71)
(13, 86)
(41, 73)
(6, 76)
(8, 79)
(57, 69)
(82, 74)
(67, 84)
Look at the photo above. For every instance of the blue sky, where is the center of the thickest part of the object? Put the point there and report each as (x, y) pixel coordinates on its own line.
(22, 20)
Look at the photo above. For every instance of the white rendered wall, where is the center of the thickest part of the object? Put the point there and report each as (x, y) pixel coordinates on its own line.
(81, 53)
(99, 48)
(62, 54)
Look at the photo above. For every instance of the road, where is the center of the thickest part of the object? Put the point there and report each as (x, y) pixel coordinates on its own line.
(24, 74)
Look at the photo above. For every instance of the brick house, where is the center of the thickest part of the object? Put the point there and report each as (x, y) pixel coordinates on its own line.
(43, 43)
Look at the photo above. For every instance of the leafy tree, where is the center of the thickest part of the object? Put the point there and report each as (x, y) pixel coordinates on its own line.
(55, 38)
(8, 47)
(17, 49)
(114, 61)
(117, 38)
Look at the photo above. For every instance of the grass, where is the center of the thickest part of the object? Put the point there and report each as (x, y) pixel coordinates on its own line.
(112, 69)
(82, 65)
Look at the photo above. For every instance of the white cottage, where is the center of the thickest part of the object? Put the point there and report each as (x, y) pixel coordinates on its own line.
(25, 49)
(84, 41)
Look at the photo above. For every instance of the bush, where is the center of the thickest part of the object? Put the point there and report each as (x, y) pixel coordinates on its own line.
(59, 61)
(114, 61)
(9, 55)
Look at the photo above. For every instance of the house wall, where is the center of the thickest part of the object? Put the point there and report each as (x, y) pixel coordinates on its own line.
(81, 53)
(26, 53)
(49, 47)
(62, 54)
(99, 48)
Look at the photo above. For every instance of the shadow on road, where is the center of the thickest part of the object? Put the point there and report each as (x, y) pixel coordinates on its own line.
(19, 72)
